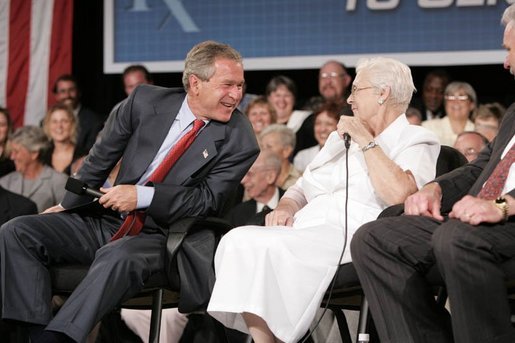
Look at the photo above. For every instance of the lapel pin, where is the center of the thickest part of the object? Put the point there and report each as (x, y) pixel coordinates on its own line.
(204, 153)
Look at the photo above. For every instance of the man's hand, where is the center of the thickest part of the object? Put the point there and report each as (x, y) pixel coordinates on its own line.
(54, 209)
(121, 198)
(425, 202)
(474, 211)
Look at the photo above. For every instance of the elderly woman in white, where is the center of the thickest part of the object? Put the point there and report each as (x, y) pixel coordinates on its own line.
(270, 281)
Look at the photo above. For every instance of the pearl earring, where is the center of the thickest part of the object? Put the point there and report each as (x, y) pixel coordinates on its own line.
(380, 101)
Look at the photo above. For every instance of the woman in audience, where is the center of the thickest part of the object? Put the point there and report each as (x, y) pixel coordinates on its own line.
(6, 126)
(281, 140)
(60, 126)
(32, 178)
(281, 92)
(271, 282)
(326, 119)
(260, 113)
(460, 100)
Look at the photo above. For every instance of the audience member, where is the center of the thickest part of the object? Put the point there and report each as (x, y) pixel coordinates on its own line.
(281, 92)
(261, 114)
(259, 184)
(326, 119)
(32, 178)
(430, 104)
(281, 140)
(145, 127)
(60, 126)
(66, 91)
(295, 258)
(460, 101)
(463, 224)
(135, 75)
(414, 116)
(333, 85)
(6, 127)
(487, 119)
(470, 143)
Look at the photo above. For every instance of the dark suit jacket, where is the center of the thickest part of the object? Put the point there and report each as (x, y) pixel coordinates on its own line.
(470, 178)
(199, 182)
(13, 205)
(245, 213)
(89, 125)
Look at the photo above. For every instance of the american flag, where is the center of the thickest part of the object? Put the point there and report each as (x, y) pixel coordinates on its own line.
(35, 48)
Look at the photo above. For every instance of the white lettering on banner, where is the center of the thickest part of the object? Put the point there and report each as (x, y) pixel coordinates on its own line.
(177, 10)
(382, 5)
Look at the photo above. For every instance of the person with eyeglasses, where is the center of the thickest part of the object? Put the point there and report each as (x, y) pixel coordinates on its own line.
(460, 101)
(270, 280)
(470, 143)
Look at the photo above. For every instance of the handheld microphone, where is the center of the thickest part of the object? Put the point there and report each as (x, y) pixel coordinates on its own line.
(81, 188)
(346, 138)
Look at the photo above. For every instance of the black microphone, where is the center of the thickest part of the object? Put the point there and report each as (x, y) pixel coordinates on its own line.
(81, 188)
(346, 138)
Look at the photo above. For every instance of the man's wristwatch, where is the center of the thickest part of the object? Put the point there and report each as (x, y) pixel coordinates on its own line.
(502, 204)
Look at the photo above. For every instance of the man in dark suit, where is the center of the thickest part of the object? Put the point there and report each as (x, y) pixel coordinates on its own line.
(259, 184)
(141, 132)
(66, 90)
(468, 244)
(13, 205)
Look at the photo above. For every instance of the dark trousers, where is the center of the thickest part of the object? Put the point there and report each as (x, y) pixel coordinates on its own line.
(30, 244)
(392, 256)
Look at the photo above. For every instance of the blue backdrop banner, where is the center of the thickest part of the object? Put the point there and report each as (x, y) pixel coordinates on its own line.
(296, 34)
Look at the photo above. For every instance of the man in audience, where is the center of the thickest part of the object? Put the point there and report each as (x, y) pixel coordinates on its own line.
(414, 116)
(66, 90)
(135, 75)
(151, 130)
(487, 119)
(431, 103)
(464, 223)
(259, 184)
(470, 143)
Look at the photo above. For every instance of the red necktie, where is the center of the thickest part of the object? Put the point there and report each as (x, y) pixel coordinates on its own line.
(495, 183)
(134, 221)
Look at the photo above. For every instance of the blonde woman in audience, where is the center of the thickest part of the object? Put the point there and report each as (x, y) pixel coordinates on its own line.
(32, 178)
(281, 140)
(326, 119)
(60, 126)
(487, 119)
(6, 126)
(460, 100)
(261, 114)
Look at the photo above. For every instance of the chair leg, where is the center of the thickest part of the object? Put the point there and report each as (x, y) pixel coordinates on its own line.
(364, 314)
(155, 318)
(343, 327)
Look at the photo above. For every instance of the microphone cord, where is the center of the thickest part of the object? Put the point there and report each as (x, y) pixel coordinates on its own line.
(326, 307)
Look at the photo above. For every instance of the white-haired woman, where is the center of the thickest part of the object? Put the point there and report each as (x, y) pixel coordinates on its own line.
(32, 178)
(459, 100)
(270, 282)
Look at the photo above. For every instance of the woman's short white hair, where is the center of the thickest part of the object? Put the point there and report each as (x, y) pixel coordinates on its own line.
(386, 72)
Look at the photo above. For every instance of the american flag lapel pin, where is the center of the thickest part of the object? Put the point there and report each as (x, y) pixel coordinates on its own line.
(204, 153)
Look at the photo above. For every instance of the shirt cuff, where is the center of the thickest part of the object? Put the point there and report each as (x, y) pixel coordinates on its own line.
(145, 195)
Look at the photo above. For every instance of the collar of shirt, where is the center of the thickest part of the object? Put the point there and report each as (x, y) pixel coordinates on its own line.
(272, 203)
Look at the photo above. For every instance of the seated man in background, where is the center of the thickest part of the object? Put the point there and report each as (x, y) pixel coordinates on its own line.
(259, 184)
(470, 143)
(487, 119)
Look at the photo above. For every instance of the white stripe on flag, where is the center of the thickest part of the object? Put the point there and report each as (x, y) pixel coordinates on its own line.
(4, 49)
(40, 34)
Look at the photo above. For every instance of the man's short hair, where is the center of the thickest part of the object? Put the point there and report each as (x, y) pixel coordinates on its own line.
(65, 77)
(200, 60)
(483, 138)
(286, 135)
(137, 67)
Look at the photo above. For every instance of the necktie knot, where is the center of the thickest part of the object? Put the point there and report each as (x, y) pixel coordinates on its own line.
(197, 125)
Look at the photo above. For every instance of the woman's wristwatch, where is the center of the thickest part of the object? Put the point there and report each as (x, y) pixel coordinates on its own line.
(369, 146)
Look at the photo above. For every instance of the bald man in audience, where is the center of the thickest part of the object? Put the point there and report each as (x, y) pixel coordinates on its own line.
(470, 143)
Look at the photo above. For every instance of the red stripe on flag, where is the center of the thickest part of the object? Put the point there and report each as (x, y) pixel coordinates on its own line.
(60, 61)
(19, 54)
